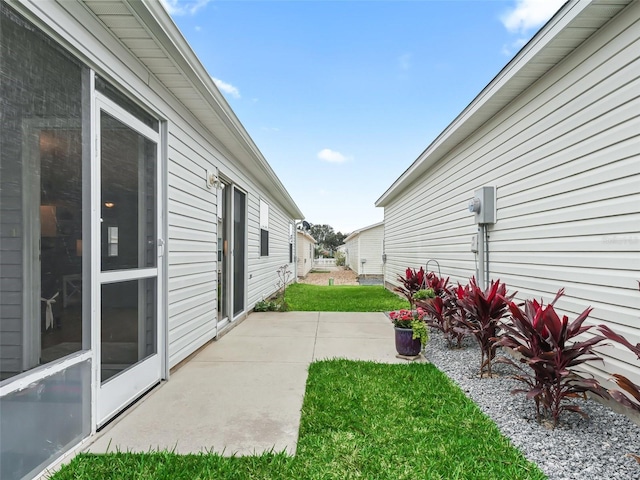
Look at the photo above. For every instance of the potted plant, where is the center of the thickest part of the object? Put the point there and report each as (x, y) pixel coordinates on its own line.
(411, 332)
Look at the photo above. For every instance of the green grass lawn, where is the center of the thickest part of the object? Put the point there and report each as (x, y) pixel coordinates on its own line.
(360, 420)
(342, 298)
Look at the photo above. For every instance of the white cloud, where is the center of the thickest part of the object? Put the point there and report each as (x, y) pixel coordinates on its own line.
(331, 156)
(183, 7)
(404, 61)
(529, 14)
(226, 88)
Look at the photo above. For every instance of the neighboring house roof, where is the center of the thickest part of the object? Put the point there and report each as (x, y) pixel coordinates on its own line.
(571, 26)
(145, 28)
(307, 235)
(364, 229)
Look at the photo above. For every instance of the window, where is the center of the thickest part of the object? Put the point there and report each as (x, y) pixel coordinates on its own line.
(264, 229)
(44, 118)
(291, 243)
(41, 197)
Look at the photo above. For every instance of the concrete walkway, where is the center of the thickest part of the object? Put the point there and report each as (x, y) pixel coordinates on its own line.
(243, 393)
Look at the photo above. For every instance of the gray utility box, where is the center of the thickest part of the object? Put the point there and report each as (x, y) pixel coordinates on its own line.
(483, 205)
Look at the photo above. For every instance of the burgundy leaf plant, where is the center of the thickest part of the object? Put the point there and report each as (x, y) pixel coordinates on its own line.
(443, 314)
(412, 281)
(623, 382)
(549, 345)
(484, 311)
(439, 285)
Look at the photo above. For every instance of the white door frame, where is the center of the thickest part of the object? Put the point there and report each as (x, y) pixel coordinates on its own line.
(122, 389)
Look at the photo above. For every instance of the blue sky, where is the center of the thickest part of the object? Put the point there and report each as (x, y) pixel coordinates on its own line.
(341, 96)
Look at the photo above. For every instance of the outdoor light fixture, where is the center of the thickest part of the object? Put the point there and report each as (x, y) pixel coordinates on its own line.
(213, 182)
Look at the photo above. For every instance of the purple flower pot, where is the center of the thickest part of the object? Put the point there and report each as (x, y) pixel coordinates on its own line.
(405, 343)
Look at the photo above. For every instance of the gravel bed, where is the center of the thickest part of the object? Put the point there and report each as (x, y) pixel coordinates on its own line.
(593, 448)
(340, 275)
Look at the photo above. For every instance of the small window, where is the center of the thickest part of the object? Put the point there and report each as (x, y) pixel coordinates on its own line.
(264, 243)
(291, 243)
(264, 229)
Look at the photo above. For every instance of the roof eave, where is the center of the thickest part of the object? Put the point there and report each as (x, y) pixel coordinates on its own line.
(479, 110)
(364, 229)
(161, 25)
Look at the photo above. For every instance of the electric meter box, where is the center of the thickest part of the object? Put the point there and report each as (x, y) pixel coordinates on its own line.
(484, 203)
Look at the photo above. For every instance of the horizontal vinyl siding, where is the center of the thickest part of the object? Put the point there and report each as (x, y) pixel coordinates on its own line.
(565, 158)
(371, 250)
(192, 246)
(353, 254)
(263, 271)
(304, 253)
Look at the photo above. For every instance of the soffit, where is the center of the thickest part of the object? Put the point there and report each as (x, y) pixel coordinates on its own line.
(144, 28)
(576, 21)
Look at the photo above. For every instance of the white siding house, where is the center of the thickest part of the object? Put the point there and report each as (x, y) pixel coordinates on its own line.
(363, 249)
(557, 133)
(138, 219)
(305, 249)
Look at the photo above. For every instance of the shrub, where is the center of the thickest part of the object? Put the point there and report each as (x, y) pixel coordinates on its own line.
(424, 294)
(438, 284)
(284, 277)
(546, 343)
(443, 311)
(341, 259)
(267, 306)
(412, 281)
(483, 312)
(622, 381)
(443, 315)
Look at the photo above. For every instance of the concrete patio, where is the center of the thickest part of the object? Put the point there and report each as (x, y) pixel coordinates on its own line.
(243, 393)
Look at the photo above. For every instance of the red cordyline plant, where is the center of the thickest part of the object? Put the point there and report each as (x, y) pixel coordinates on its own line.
(441, 317)
(412, 281)
(622, 381)
(484, 311)
(443, 312)
(547, 344)
(439, 285)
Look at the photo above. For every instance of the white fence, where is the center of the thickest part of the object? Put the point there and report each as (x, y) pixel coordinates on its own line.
(324, 262)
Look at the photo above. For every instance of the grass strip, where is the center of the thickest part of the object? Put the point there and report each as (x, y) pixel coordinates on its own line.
(342, 298)
(360, 420)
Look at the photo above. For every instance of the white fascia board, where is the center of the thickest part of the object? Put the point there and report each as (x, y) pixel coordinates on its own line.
(364, 229)
(308, 236)
(478, 111)
(153, 16)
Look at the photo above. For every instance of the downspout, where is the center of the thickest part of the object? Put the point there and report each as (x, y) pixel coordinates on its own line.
(486, 256)
(481, 261)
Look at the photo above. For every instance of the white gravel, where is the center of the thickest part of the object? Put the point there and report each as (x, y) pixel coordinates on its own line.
(580, 449)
